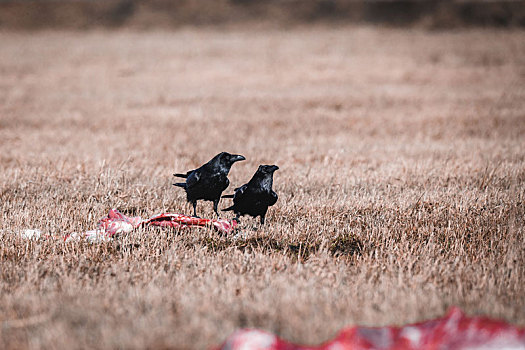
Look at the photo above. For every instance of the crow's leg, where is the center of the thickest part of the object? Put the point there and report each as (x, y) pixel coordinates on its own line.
(194, 203)
(215, 205)
(262, 219)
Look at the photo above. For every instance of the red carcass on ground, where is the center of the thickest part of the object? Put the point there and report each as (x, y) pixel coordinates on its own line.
(455, 331)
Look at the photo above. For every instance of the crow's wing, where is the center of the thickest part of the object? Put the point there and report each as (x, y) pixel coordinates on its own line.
(239, 191)
(193, 178)
(273, 198)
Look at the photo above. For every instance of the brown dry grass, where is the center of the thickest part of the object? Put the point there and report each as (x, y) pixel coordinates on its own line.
(407, 144)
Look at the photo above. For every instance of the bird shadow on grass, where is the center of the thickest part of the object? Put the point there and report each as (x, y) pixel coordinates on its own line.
(343, 245)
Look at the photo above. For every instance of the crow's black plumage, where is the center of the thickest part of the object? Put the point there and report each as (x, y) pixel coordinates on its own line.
(256, 196)
(209, 181)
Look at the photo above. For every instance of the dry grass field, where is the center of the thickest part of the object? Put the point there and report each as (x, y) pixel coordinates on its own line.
(401, 181)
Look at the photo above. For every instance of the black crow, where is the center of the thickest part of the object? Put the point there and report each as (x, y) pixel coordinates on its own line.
(256, 196)
(209, 181)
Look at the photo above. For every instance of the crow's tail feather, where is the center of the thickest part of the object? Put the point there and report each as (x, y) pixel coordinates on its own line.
(180, 184)
(227, 196)
(184, 176)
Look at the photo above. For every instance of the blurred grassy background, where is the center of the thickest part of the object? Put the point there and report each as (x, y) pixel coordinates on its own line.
(80, 14)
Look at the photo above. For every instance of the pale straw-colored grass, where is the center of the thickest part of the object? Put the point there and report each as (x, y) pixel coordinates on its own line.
(401, 183)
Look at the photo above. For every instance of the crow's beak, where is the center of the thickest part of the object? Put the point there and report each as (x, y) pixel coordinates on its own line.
(237, 158)
(274, 168)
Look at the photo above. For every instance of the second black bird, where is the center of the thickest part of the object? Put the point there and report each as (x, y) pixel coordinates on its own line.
(256, 196)
(209, 181)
